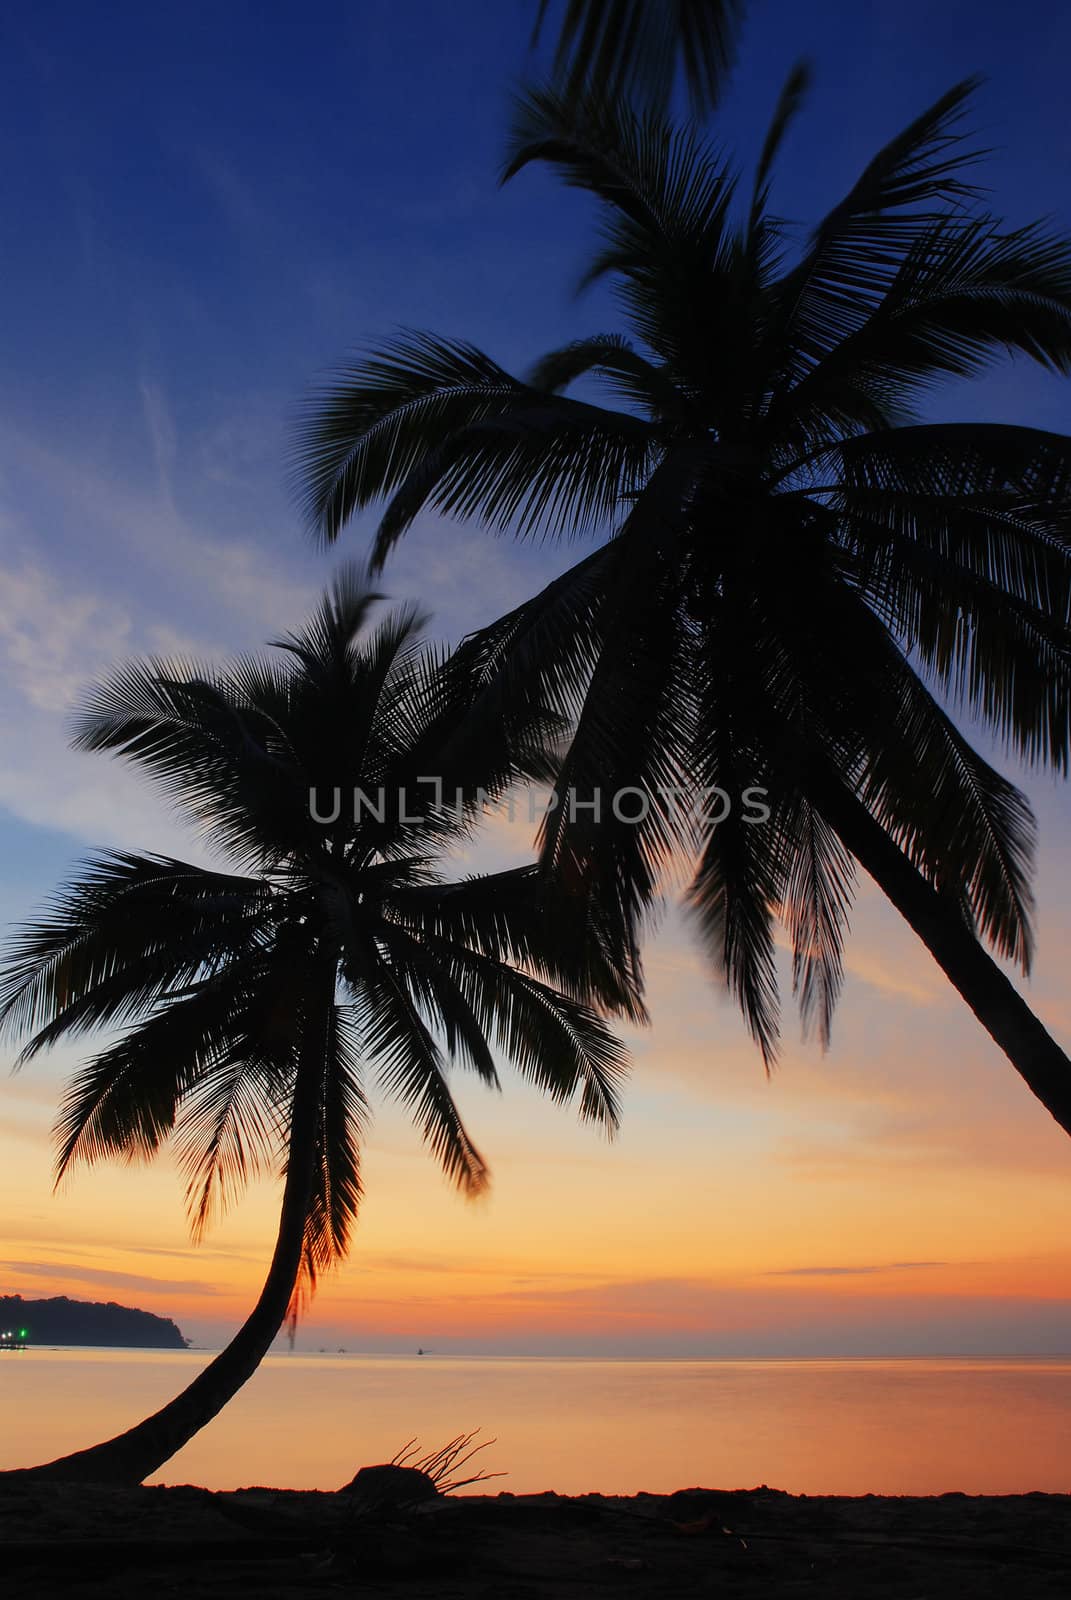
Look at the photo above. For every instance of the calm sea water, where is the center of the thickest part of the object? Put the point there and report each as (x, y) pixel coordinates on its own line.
(834, 1427)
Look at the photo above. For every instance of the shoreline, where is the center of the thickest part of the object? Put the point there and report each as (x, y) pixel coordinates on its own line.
(115, 1542)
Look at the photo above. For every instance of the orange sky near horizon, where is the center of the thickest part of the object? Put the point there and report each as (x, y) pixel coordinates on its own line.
(903, 1193)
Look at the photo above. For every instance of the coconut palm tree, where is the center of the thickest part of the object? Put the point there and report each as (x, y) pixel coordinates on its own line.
(254, 1003)
(798, 584)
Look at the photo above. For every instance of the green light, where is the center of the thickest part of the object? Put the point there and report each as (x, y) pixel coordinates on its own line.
(22, 1333)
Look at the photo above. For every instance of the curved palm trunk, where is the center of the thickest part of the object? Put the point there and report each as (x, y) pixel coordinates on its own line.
(995, 1001)
(131, 1456)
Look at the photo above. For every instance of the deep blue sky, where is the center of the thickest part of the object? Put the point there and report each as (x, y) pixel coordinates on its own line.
(204, 206)
(225, 196)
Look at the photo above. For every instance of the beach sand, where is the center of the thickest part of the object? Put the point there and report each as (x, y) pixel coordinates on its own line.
(117, 1544)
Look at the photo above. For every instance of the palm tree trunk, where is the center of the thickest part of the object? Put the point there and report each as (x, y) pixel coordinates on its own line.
(995, 1001)
(132, 1456)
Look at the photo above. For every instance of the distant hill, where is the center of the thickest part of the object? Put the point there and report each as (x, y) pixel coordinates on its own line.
(63, 1321)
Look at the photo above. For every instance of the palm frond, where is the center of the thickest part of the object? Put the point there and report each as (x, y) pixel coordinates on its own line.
(431, 422)
(433, 988)
(659, 178)
(550, 467)
(789, 104)
(411, 1068)
(635, 47)
(732, 900)
(634, 732)
(818, 898)
(219, 759)
(233, 1123)
(1003, 652)
(337, 1187)
(522, 918)
(633, 379)
(326, 643)
(859, 247)
(124, 1100)
(966, 294)
(559, 1044)
(958, 819)
(128, 930)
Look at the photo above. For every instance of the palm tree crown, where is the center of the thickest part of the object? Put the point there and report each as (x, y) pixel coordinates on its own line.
(796, 574)
(335, 950)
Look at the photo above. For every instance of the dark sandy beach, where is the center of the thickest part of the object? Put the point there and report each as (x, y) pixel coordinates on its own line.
(117, 1544)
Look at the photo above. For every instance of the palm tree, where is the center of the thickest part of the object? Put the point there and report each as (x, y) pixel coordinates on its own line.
(797, 581)
(254, 1002)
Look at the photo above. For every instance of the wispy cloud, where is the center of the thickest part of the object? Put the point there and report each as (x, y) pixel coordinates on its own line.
(54, 636)
(234, 194)
(76, 1272)
(853, 1271)
(230, 585)
(162, 436)
(59, 631)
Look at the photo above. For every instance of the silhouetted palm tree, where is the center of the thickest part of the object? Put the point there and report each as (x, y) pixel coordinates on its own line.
(794, 570)
(255, 1002)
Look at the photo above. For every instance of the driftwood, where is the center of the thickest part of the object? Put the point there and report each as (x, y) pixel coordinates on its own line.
(443, 1466)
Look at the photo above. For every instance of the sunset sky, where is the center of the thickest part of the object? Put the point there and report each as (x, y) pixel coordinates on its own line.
(206, 208)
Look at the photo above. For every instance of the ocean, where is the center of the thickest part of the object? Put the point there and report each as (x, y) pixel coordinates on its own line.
(979, 1426)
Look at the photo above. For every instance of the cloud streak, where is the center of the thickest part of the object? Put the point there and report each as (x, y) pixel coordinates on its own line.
(76, 1272)
(853, 1271)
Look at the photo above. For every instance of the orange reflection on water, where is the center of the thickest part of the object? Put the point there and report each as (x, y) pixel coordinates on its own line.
(833, 1427)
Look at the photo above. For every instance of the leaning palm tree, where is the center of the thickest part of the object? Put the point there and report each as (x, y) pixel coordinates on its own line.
(254, 1003)
(797, 582)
